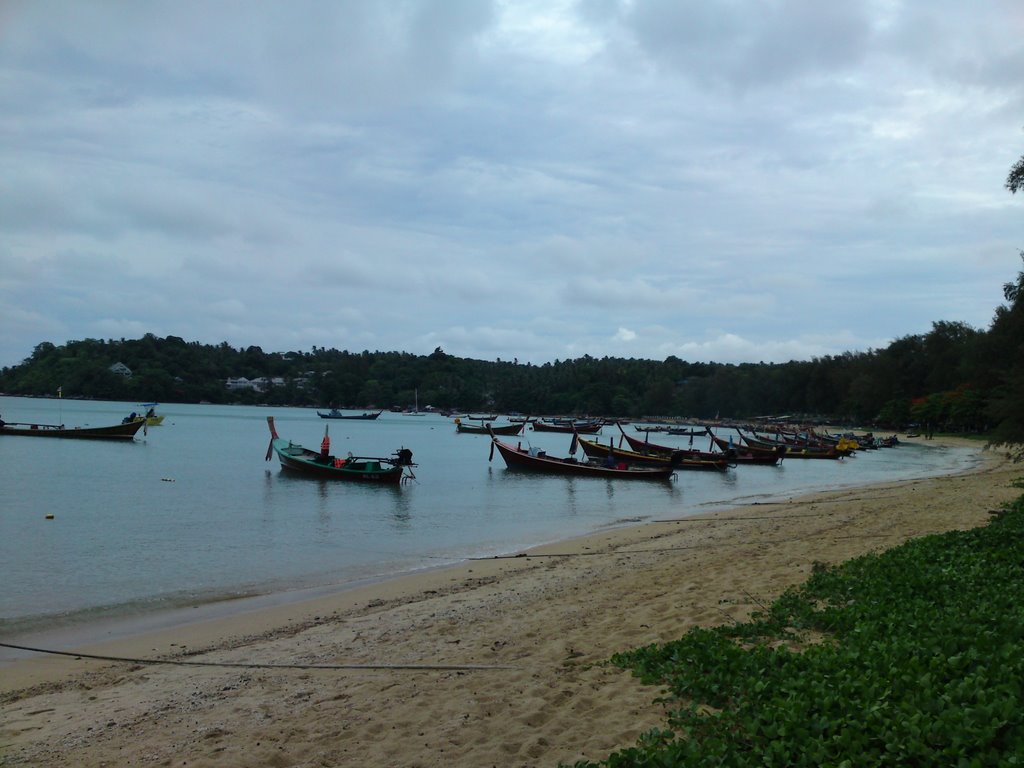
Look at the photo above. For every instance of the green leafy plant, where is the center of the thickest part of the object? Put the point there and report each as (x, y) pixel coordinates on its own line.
(910, 657)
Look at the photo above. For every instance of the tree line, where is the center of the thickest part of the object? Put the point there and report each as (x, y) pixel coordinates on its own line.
(954, 378)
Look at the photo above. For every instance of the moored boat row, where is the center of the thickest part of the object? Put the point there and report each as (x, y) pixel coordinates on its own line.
(633, 457)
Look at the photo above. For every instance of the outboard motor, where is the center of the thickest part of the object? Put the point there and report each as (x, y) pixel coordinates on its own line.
(403, 457)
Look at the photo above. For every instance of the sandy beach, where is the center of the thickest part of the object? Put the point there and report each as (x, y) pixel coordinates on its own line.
(493, 662)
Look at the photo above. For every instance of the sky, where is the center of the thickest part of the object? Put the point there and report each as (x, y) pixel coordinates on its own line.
(731, 181)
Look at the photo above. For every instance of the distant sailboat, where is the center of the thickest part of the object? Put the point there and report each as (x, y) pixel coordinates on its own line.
(416, 408)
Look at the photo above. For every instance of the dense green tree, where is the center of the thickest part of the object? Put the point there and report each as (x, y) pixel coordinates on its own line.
(1005, 346)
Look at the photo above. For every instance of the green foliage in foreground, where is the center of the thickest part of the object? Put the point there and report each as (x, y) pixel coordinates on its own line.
(922, 664)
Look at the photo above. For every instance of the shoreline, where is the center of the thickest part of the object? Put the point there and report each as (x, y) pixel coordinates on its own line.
(533, 632)
(90, 628)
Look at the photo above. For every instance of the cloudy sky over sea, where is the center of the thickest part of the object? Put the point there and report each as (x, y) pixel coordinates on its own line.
(730, 181)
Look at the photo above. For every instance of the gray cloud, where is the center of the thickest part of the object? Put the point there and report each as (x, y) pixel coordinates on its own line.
(532, 180)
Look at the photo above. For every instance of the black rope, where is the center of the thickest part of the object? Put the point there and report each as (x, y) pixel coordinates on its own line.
(655, 550)
(730, 519)
(240, 665)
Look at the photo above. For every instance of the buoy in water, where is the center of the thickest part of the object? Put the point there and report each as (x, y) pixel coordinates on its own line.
(49, 516)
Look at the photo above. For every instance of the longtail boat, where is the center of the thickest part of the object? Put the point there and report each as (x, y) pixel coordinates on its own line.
(794, 451)
(153, 419)
(126, 430)
(532, 460)
(334, 413)
(360, 469)
(678, 458)
(488, 428)
(567, 427)
(738, 455)
(751, 454)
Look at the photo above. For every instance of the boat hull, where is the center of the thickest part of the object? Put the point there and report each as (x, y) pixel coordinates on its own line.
(358, 416)
(581, 429)
(750, 454)
(299, 460)
(115, 432)
(795, 451)
(517, 458)
(356, 469)
(482, 429)
(678, 458)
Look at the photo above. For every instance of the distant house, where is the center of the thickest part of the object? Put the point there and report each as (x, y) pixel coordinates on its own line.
(260, 384)
(239, 383)
(121, 370)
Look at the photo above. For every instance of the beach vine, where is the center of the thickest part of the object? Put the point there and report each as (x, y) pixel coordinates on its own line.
(913, 656)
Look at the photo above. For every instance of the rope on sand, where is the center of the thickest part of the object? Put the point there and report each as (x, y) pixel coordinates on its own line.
(767, 518)
(239, 665)
(657, 550)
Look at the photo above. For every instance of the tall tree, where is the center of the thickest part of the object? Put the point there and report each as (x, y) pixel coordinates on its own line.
(1006, 341)
(1015, 180)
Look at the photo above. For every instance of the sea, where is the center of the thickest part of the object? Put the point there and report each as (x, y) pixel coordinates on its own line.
(191, 516)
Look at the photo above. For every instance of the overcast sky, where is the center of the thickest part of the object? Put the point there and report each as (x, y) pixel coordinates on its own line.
(730, 181)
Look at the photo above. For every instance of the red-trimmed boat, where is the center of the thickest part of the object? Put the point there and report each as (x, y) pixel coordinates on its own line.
(533, 460)
(793, 451)
(360, 469)
(678, 458)
(751, 454)
(741, 455)
(126, 430)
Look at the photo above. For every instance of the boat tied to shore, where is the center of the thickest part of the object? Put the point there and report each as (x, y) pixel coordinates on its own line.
(797, 449)
(680, 458)
(737, 455)
(531, 459)
(380, 470)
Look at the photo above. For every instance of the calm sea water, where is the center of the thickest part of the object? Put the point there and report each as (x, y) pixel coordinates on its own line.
(191, 513)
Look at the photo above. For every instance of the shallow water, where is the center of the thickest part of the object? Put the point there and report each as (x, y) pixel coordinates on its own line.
(191, 513)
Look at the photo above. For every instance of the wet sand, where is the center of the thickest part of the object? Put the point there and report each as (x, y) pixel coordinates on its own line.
(492, 662)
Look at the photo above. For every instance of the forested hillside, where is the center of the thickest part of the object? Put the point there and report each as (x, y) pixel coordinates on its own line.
(954, 377)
